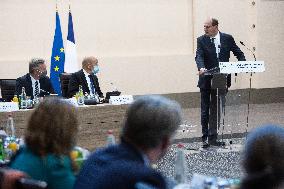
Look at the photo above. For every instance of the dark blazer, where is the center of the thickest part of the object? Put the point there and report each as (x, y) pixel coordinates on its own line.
(78, 78)
(26, 81)
(206, 56)
(118, 166)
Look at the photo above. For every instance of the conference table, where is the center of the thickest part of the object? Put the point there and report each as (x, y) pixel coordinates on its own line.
(94, 122)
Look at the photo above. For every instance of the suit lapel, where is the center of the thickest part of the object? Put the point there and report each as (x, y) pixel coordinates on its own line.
(222, 43)
(84, 82)
(29, 87)
(211, 47)
(208, 42)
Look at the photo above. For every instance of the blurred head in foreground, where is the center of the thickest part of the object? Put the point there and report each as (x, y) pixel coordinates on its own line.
(264, 158)
(150, 123)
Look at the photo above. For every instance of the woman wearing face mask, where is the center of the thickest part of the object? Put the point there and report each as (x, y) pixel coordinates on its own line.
(86, 77)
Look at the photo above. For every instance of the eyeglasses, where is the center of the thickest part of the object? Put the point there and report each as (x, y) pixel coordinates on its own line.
(207, 27)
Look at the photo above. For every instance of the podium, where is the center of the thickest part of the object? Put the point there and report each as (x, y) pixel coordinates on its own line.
(243, 67)
(219, 82)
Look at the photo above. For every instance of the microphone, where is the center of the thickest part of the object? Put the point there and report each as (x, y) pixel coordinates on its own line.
(114, 88)
(43, 91)
(242, 43)
(219, 50)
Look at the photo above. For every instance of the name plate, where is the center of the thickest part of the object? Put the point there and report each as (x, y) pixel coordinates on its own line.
(123, 99)
(9, 106)
(241, 67)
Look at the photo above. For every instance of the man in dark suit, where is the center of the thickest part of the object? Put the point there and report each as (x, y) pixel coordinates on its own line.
(87, 78)
(212, 47)
(151, 122)
(36, 83)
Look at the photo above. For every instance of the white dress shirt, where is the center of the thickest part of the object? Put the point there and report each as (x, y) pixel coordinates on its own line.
(217, 43)
(33, 85)
(88, 82)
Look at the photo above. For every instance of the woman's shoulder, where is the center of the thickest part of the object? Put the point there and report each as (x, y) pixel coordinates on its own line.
(57, 160)
(24, 156)
(28, 162)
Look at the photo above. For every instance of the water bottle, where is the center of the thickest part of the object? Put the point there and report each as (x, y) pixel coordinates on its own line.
(223, 184)
(180, 165)
(110, 138)
(23, 99)
(80, 96)
(10, 129)
(2, 151)
(3, 133)
(209, 183)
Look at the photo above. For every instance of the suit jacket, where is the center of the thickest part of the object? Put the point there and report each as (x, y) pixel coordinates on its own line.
(78, 78)
(117, 166)
(26, 81)
(206, 56)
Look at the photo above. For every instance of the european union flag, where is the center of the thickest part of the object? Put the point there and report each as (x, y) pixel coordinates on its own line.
(57, 57)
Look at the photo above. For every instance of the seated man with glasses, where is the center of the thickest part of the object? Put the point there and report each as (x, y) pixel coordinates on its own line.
(36, 82)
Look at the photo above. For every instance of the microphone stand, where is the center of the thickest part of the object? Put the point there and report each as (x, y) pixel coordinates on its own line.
(220, 101)
(220, 106)
(249, 93)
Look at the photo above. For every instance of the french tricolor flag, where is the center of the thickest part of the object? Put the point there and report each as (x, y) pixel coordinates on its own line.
(71, 63)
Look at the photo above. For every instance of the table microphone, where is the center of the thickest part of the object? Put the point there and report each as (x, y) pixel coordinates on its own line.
(43, 91)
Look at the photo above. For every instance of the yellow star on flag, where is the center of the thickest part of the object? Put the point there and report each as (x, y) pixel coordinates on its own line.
(61, 49)
(56, 58)
(56, 68)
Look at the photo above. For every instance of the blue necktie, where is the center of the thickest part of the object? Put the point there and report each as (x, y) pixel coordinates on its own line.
(92, 84)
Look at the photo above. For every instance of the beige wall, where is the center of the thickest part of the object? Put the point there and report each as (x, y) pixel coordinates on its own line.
(143, 46)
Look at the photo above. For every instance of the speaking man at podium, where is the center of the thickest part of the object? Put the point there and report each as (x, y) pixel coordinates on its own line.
(212, 47)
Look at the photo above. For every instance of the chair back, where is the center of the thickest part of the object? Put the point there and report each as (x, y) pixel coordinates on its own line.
(7, 89)
(64, 82)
